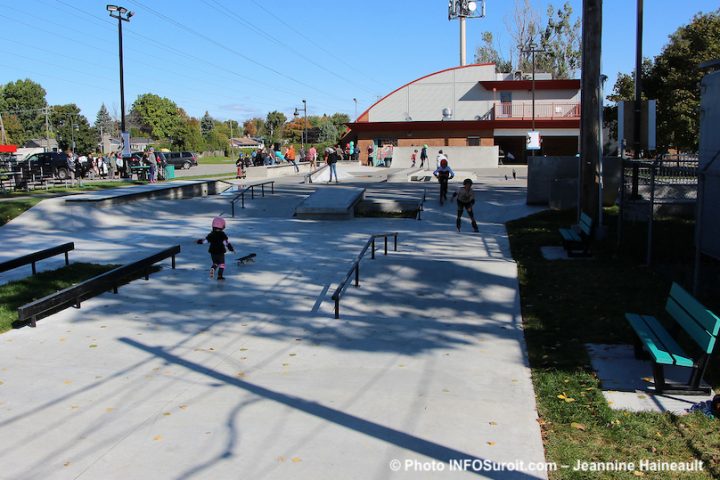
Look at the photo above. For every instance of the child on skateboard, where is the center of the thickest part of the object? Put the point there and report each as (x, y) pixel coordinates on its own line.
(465, 200)
(218, 240)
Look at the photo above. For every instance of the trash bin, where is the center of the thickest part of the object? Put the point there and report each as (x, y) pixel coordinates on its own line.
(169, 172)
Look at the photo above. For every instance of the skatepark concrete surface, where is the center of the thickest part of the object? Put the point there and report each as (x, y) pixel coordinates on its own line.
(424, 376)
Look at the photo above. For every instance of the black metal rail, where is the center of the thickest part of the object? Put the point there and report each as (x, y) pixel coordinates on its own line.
(421, 207)
(33, 258)
(356, 266)
(94, 286)
(241, 195)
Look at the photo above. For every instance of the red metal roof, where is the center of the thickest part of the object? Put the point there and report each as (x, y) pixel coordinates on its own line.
(449, 125)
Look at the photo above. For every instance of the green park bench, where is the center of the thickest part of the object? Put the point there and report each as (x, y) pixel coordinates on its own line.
(660, 344)
(576, 239)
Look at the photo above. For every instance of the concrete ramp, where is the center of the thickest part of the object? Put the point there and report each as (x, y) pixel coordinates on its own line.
(332, 202)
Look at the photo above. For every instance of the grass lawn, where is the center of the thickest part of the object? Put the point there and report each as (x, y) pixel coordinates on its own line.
(10, 209)
(566, 304)
(216, 161)
(15, 294)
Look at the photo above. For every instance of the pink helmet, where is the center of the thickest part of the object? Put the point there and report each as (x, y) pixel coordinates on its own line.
(218, 222)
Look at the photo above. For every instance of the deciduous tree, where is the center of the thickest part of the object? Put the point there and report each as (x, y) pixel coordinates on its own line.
(23, 99)
(487, 53)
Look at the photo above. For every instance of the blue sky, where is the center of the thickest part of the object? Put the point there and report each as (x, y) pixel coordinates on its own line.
(244, 58)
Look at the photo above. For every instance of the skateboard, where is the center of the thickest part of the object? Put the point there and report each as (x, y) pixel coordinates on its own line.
(246, 259)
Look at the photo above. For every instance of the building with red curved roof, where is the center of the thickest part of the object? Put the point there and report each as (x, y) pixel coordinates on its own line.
(472, 105)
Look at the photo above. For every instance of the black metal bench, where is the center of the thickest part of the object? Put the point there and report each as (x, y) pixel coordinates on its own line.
(32, 258)
(94, 286)
(660, 344)
(576, 239)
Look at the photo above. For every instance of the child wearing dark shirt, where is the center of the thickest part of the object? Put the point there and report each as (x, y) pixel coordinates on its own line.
(465, 201)
(218, 240)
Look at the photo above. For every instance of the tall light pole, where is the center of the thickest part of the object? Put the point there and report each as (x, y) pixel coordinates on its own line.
(296, 115)
(532, 50)
(463, 9)
(123, 15)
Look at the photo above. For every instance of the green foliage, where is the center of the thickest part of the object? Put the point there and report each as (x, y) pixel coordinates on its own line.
(328, 133)
(189, 136)
(274, 122)
(561, 42)
(675, 80)
(23, 101)
(207, 124)
(254, 127)
(10, 209)
(70, 126)
(157, 117)
(103, 122)
(487, 53)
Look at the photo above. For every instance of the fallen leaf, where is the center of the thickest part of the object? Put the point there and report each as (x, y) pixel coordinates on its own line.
(647, 379)
(293, 354)
(109, 409)
(183, 407)
(157, 437)
(66, 464)
(565, 398)
(638, 473)
(492, 423)
(642, 397)
(167, 414)
(93, 345)
(240, 374)
(67, 382)
(285, 364)
(578, 426)
(296, 459)
(280, 459)
(491, 443)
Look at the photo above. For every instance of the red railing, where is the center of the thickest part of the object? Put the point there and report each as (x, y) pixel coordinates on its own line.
(524, 111)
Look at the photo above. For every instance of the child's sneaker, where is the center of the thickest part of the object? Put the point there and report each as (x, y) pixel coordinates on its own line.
(212, 272)
(475, 229)
(220, 277)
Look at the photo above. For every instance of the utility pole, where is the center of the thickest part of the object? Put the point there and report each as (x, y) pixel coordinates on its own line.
(47, 129)
(637, 120)
(3, 138)
(532, 50)
(590, 115)
(464, 9)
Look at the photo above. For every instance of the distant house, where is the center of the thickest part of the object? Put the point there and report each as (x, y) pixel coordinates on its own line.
(51, 144)
(245, 142)
(139, 143)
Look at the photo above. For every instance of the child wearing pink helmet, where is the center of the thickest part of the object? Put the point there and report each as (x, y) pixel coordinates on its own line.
(218, 240)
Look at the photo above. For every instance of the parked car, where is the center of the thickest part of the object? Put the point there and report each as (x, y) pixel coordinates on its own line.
(52, 163)
(183, 160)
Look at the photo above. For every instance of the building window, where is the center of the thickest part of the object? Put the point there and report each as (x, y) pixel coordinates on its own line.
(387, 141)
(473, 141)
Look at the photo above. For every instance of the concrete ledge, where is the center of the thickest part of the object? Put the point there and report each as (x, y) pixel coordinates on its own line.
(273, 171)
(331, 203)
(171, 190)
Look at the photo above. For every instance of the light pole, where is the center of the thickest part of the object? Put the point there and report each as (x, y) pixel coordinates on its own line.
(532, 50)
(296, 114)
(355, 100)
(123, 15)
(463, 9)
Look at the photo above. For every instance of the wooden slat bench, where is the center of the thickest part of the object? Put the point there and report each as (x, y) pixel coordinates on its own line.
(576, 239)
(660, 344)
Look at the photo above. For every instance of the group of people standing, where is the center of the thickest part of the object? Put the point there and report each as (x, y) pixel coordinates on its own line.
(92, 165)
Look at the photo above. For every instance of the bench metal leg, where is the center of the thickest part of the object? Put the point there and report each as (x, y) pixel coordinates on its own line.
(34, 270)
(659, 376)
(337, 308)
(33, 321)
(173, 262)
(357, 275)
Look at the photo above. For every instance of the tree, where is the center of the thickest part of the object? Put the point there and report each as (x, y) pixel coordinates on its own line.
(188, 136)
(156, 116)
(487, 53)
(254, 127)
(340, 119)
(274, 122)
(523, 28)
(103, 122)
(328, 132)
(561, 42)
(207, 124)
(24, 100)
(675, 80)
(70, 126)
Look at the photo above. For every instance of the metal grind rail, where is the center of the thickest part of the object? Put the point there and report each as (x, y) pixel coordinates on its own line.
(241, 195)
(356, 266)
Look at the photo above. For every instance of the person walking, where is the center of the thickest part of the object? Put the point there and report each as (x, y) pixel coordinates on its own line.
(413, 158)
(444, 174)
(423, 156)
(218, 240)
(312, 156)
(465, 201)
(370, 151)
(152, 161)
(331, 158)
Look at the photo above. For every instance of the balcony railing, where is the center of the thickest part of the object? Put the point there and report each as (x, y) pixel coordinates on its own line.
(543, 111)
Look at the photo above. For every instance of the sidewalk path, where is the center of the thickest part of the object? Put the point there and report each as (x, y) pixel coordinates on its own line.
(182, 377)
